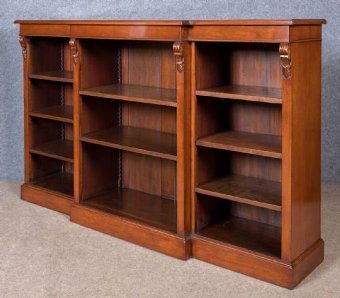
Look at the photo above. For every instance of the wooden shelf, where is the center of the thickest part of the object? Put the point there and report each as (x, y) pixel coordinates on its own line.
(135, 93)
(59, 182)
(249, 93)
(137, 140)
(59, 149)
(246, 190)
(56, 76)
(136, 205)
(248, 234)
(245, 142)
(57, 113)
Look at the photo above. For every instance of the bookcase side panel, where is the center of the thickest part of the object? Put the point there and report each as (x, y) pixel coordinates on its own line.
(301, 149)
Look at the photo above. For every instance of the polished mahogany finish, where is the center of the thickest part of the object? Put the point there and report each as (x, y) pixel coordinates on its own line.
(193, 138)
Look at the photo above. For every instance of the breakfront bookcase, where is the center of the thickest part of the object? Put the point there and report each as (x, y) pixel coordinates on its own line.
(193, 138)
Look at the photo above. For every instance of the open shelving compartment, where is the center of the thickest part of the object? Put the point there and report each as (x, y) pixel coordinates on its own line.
(136, 162)
(238, 141)
(50, 123)
(128, 135)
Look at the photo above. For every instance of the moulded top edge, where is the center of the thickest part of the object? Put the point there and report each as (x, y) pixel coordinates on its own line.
(255, 22)
(104, 22)
(249, 22)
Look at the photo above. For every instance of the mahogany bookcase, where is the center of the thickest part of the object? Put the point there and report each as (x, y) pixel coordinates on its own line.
(193, 138)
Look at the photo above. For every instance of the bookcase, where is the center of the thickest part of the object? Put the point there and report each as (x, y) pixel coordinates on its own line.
(193, 138)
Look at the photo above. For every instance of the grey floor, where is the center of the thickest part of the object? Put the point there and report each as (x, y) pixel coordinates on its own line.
(42, 254)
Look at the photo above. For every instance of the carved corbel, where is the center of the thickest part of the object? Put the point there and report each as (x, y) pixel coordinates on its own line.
(74, 50)
(178, 52)
(23, 43)
(286, 62)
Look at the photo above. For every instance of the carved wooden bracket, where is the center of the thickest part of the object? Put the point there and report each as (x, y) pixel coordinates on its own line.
(286, 62)
(74, 50)
(178, 52)
(23, 43)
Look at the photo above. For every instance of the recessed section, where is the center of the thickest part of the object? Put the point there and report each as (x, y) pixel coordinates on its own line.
(44, 131)
(50, 58)
(58, 149)
(51, 100)
(56, 76)
(134, 127)
(52, 174)
(139, 206)
(134, 71)
(251, 143)
(58, 113)
(245, 226)
(134, 139)
(135, 186)
(135, 93)
(59, 182)
(247, 190)
(244, 71)
(243, 178)
(247, 234)
(248, 93)
(241, 126)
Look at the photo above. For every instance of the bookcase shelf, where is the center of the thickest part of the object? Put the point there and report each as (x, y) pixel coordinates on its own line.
(59, 149)
(138, 140)
(55, 76)
(247, 190)
(135, 93)
(246, 234)
(136, 205)
(57, 113)
(249, 93)
(252, 143)
(192, 138)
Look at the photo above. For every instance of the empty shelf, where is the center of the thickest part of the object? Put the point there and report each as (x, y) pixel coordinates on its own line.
(56, 76)
(59, 182)
(59, 149)
(146, 208)
(248, 234)
(247, 190)
(249, 93)
(135, 93)
(57, 113)
(137, 140)
(245, 142)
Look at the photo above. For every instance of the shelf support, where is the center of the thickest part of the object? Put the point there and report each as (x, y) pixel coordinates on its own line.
(74, 50)
(178, 52)
(286, 62)
(23, 43)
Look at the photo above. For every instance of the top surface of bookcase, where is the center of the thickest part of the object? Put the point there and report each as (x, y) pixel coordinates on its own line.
(105, 22)
(273, 31)
(250, 22)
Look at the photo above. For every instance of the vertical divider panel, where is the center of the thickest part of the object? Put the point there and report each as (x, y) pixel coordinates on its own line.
(193, 159)
(183, 72)
(286, 153)
(26, 53)
(67, 97)
(77, 150)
